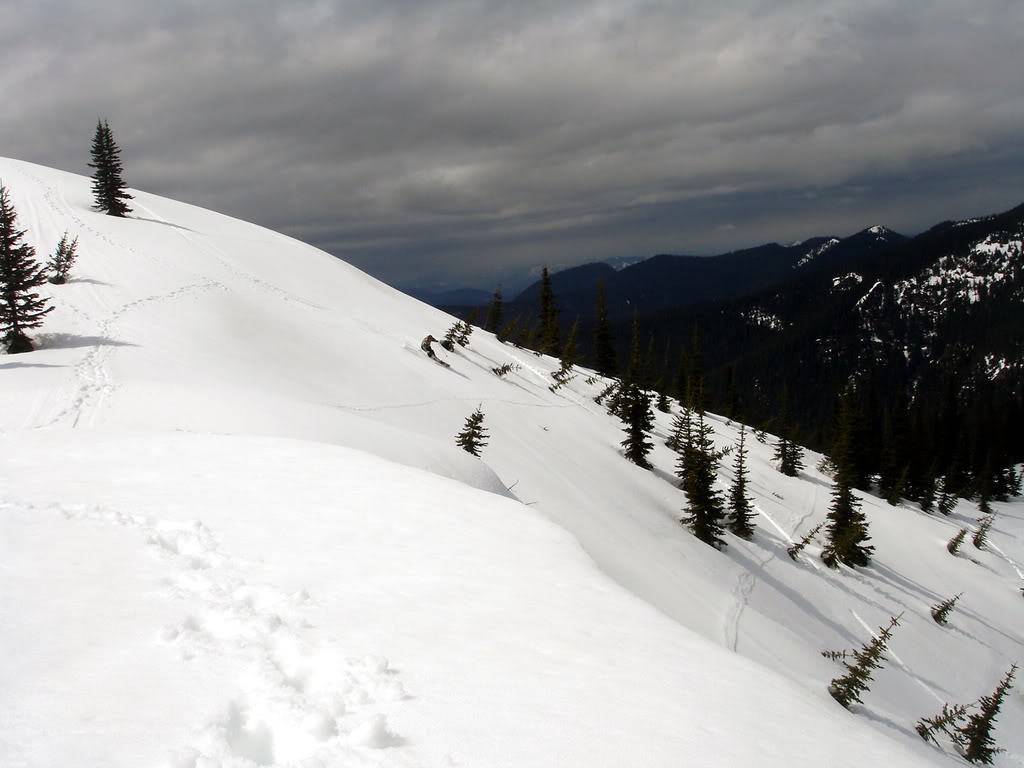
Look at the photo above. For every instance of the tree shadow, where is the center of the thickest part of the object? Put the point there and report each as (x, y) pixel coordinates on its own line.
(799, 601)
(885, 573)
(72, 341)
(4, 366)
(883, 720)
(85, 281)
(165, 223)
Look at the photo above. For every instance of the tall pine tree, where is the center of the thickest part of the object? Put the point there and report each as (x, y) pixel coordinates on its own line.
(704, 513)
(108, 187)
(548, 316)
(741, 508)
(975, 736)
(847, 531)
(604, 343)
(495, 312)
(21, 308)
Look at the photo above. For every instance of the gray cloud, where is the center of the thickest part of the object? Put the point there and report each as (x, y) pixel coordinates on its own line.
(466, 139)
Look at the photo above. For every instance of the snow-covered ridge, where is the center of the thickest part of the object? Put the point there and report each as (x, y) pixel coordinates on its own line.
(263, 548)
(814, 253)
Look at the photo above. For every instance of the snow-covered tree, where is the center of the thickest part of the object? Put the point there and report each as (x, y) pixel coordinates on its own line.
(21, 307)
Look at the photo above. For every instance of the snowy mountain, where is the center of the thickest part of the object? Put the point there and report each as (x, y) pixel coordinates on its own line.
(236, 531)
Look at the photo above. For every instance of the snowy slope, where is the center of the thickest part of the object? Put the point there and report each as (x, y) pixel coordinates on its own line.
(236, 530)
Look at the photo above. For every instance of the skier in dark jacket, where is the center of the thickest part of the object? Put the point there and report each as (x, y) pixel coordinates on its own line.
(425, 346)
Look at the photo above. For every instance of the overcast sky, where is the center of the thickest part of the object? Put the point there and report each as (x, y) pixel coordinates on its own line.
(463, 141)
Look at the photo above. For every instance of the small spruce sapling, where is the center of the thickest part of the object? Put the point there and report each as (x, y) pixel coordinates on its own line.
(62, 260)
(956, 542)
(847, 689)
(981, 535)
(975, 736)
(946, 721)
(465, 330)
(795, 550)
(473, 436)
(941, 611)
(504, 369)
(451, 335)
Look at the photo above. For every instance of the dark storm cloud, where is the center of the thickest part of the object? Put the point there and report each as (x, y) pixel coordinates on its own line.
(441, 138)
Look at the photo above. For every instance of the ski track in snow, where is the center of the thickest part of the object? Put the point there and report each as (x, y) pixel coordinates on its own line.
(93, 384)
(217, 254)
(898, 660)
(300, 701)
(747, 580)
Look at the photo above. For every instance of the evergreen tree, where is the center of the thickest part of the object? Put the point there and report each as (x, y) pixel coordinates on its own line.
(108, 188)
(62, 260)
(495, 312)
(680, 384)
(695, 394)
(705, 515)
(648, 373)
(683, 444)
(946, 721)
(795, 550)
(788, 455)
(941, 611)
(928, 493)
(639, 422)
(981, 535)
(732, 398)
(452, 335)
(947, 499)
(604, 345)
(465, 330)
(527, 334)
(509, 328)
(634, 371)
(473, 436)
(741, 508)
(954, 544)
(661, 385)
(975, 735)
(848, 688)
(847, 532)
(21, 308)
(548, 316)
(571, 350)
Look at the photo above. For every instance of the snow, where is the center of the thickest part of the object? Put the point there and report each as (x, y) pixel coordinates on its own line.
(814, 253)
(235, 530)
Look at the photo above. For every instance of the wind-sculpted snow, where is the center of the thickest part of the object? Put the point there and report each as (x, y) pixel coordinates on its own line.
(235, 530)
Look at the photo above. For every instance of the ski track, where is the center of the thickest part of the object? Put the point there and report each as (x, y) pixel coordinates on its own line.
(898, 660)
(218, 255)
(747, 580)
(299, 700)
(93, 384)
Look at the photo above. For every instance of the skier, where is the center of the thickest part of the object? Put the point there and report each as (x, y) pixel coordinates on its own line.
(425, 346)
